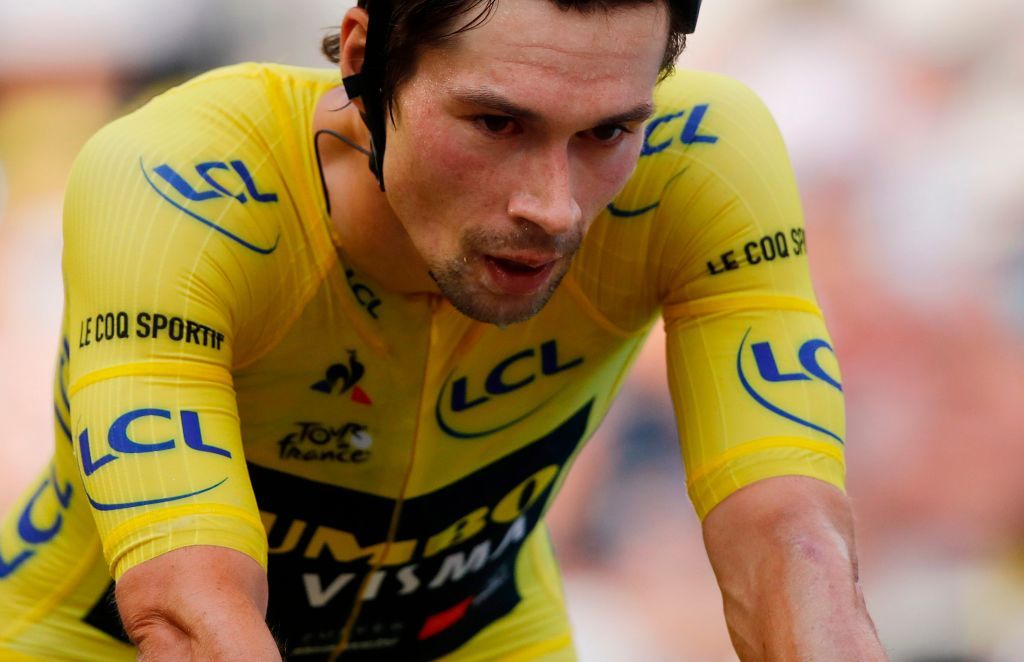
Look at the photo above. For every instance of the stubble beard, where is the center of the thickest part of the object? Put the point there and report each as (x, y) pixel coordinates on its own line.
(458, 278)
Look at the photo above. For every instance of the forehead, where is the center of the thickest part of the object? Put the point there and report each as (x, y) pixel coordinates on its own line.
(532, 49)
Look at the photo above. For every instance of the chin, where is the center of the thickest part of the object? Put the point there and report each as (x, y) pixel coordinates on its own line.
(499, 310)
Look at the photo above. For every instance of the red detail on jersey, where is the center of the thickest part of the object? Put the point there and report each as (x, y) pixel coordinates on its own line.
(445, 619)
(360, 396)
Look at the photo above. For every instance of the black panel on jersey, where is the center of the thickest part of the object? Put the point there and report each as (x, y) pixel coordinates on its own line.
(440, 590)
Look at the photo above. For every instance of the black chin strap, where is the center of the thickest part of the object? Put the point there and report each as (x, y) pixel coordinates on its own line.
(368, 84)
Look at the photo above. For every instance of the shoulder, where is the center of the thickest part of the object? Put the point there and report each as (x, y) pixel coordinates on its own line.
(256, 80)
(711, 143)
(228, 148)
(702, 120)
(713, 167)
(213, 181)
(684, 88)
(191, 160)
(220, 107)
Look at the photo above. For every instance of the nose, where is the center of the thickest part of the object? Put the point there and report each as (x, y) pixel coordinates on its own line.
(544, 193)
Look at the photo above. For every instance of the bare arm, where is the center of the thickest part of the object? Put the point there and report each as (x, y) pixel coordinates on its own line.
(783, 552)
(197, 603)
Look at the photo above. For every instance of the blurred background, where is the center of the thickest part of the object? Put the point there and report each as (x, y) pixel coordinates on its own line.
(905, 122)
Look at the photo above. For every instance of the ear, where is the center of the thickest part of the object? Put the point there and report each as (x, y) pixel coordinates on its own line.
(353, 45)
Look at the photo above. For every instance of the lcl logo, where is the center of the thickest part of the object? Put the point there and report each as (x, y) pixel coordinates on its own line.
(766, 359)
(193, 200)
(807, 355)
(122, 444)
(509, 375)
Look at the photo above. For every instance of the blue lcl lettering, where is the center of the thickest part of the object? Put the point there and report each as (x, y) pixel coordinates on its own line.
(809, 360)
(769, 369)
(90, 466)
(118, 439)
(194, 435)
(216, 190)
(180, 185)
(496, 384)
(808, 357)
(250, 185)
(28, 529)
(8, 567)
(690, 134)
(460, 397)
(652, 126)
(498, 381)
(204, 171)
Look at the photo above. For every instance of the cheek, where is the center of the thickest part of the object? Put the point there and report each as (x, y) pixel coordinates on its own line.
(436, 186)
(620, 172)
(451, 180)
(431, 150)
(604, 178)
(467, 172)
(625, 163)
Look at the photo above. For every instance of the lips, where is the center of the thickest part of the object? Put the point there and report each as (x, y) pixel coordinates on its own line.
(520, 275)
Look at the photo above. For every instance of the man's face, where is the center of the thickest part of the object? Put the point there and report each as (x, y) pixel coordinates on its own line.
(511, 138)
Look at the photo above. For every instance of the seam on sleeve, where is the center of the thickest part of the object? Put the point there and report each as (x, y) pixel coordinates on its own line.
(718, 461)
(125, 529)
(732, 303)
(212, 373)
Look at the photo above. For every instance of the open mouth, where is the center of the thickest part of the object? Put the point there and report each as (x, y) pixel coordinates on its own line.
(516, 277)
(516, 267)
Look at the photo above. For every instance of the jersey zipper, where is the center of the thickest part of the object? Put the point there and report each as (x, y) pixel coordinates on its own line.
(435, 302)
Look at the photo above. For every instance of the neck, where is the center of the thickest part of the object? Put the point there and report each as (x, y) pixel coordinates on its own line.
(372, 238)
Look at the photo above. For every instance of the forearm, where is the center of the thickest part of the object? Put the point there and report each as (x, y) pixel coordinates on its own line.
(230, 630)
(802, 602)
(197, 604)
(783, 554)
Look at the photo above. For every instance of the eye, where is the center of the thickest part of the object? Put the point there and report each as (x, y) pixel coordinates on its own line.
(501, 125)
(607, 134)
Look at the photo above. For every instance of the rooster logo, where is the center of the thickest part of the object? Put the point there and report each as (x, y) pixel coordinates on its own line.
(341, 378)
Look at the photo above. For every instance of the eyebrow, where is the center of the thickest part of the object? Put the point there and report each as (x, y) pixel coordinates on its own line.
(491, 99)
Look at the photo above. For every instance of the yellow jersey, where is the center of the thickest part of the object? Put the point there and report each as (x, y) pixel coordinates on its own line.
(227, 378)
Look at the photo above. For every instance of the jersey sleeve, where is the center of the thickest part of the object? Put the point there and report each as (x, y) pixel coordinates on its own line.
(753, 374)
(169, 214)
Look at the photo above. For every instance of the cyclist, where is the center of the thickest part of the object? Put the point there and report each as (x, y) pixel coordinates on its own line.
(336, 399)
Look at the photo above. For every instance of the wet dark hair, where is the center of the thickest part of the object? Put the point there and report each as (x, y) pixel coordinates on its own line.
(418, 24)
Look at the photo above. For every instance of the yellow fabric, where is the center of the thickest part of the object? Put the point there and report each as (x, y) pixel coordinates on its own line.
(227, 379)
